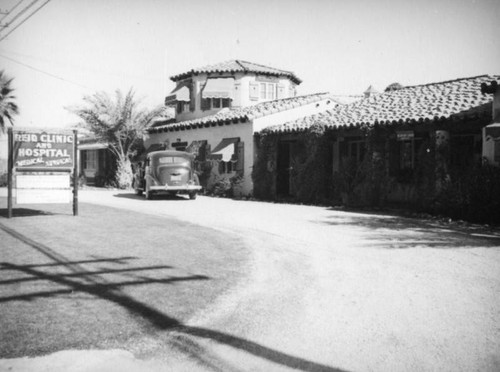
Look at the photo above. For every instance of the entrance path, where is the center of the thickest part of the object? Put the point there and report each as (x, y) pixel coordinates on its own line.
(336, 291)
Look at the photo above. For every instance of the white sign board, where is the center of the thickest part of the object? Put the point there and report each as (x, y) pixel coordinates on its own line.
(41, 196)
(43, 181)
(43, 188)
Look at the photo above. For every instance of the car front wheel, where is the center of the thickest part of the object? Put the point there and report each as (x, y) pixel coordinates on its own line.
(192, 195)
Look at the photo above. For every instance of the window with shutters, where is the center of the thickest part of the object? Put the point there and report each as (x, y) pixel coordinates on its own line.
(268, 91)
(183, 107)
(230, 155)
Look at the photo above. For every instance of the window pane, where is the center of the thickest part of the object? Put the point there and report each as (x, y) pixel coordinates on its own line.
(91, 159)
(172, 160)
(406, 155)
(270, 90)
(216, 102)
(263, 90)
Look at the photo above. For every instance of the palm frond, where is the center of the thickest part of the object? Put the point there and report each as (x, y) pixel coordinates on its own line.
(117, 119)
(8, 107)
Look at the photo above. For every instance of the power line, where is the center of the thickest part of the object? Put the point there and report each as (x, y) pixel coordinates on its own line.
(46, 73)
(20, 13)
(11, 9)
(25, 19)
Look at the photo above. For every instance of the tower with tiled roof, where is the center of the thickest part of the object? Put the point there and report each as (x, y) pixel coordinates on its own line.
(207, 90)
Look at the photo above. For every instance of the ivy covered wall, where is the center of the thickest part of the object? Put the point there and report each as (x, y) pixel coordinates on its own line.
(322, 171)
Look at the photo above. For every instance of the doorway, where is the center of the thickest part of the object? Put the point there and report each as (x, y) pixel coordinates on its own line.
(284, 184)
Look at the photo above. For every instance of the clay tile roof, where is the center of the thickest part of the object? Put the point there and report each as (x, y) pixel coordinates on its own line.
(241, 114)
(436, 101)
(237, 66)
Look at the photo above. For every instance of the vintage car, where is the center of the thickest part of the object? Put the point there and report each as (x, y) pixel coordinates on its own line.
(169, 172)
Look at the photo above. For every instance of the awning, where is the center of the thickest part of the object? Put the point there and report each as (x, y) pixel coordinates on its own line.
(219, 88)
(225, 149)
(156, 147)
(180, 93)
(93, 146)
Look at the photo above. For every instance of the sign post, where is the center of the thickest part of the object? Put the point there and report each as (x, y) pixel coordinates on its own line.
(40, 165)
(9, 172)
(75, 173)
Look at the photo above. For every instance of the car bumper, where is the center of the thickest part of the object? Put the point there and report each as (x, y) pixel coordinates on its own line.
(186, 188)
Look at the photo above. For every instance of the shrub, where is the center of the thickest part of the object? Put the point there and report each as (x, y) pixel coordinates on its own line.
(471, 194)
(225, 187)
(3, 179)
(264, 168)
(310, 172)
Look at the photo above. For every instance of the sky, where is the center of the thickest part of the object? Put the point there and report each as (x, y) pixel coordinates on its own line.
(73, 48)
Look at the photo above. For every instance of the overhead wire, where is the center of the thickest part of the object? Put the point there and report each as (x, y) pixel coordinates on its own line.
(11, 10)
(45, 72)
(21, 13)
(25, 19)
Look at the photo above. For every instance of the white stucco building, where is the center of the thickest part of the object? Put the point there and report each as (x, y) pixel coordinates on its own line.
(220, 107)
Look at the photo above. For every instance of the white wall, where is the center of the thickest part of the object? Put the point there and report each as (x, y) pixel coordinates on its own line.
(241, 94)
(213, 135)
(292, 114)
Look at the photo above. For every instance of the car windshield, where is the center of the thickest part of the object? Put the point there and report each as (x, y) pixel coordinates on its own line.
(172, 160)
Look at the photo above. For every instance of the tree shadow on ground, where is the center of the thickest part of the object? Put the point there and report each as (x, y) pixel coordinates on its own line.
(111, 291)
(25, 212)
(397, 232)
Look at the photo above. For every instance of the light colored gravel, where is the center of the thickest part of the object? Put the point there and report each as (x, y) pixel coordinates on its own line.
(332, 291)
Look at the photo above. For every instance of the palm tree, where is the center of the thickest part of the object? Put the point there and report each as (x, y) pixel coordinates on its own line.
(120, 122)
(8, 108)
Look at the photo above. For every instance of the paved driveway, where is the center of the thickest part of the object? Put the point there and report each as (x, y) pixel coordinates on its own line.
(330, 290)
(334, 291)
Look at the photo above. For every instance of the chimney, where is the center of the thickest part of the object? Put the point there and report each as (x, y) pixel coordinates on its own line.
(371, 91)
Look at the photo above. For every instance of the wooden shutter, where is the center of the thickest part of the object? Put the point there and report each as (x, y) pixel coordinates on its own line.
(240, 162)
(254, 91)
(281, 91)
